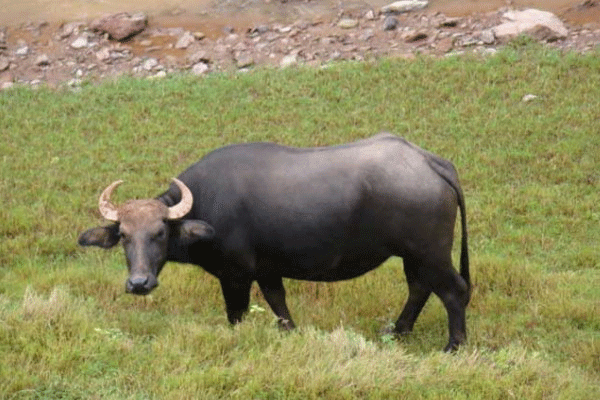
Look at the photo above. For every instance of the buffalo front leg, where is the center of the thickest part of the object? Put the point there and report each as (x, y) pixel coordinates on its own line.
(237, 298)
(274, 292)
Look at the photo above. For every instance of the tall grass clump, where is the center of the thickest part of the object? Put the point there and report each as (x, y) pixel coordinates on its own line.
(529, 170)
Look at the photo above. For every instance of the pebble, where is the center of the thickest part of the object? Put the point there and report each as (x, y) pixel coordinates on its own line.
(200, 68)
(348, 23)
(42, 60)
(488, 37)
(22, 51)
(80, 42)
(390, 23)
(445, 45)
(198, 57)
(158, 75)
(366, 35)
(4, 63)
(288, 61)
(185, 41)
(150, 64)
(244, 61)
(103, 54)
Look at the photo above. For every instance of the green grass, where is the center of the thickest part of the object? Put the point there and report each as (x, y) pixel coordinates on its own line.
(531, 176)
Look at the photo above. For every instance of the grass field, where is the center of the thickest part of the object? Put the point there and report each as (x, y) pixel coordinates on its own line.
(531, 176)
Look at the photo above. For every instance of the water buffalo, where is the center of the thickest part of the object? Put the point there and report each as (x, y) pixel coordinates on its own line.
(262, 212)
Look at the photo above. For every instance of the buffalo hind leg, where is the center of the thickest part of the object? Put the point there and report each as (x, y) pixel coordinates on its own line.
(417, 297)
(426, 276)
(451, 288)
(237, 298)
(274, 292)
(453, 299)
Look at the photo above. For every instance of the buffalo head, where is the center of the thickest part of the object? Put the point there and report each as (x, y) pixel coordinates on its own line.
(149, 230)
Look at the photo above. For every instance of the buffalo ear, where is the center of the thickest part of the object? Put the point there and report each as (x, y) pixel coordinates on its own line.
(191, 231)
(102, 236)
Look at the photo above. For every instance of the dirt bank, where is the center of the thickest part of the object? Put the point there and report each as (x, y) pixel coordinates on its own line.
(242, 34)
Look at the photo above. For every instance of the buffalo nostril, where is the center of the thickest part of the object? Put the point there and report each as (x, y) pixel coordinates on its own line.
(138, 282)
(137, 285)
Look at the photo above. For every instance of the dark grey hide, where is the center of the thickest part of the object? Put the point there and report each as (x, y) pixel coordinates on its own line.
(262, 212)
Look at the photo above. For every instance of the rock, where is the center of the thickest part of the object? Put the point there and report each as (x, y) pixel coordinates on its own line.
(150, 64)
(198, 57)
(487, 37)
(370, 15)
(528, 97)
(284, 29)
(121, 26)
(468, 40)
(42, 60)
(390, 23)
(259, 30)
(199, 35)
(69, 29)
(6, 85)
(4, 63)
(366, 35)
(80, 42)
(541, 32)
(414, 36)
(6, 77)
(288, 61)
(530, 21)
(240, 46)
(445, 45)
(404, 6)
(185, 41)
(244, 61)
(336, 55)
(22, 51)
(158, 75)
(347, 23)
(200, 68)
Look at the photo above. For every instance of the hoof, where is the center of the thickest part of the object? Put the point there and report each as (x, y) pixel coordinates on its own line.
(451, 347)
(285, 324)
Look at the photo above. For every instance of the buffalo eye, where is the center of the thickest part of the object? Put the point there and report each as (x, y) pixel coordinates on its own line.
(160, 235)
(124, 237)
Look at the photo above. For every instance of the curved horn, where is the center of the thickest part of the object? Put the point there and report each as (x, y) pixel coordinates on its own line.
(108, 209)
(185, 205)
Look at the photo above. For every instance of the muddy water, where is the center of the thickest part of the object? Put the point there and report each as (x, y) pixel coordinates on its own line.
(194, 13)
